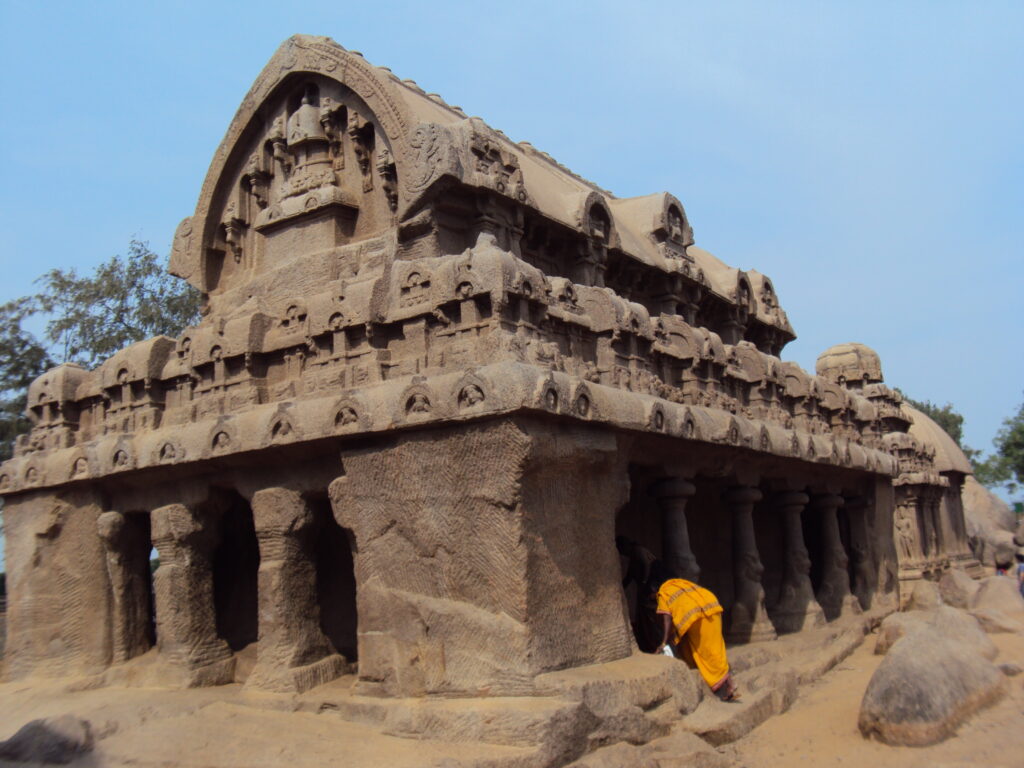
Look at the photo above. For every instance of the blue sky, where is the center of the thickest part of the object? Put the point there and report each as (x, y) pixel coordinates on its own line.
(867, 156)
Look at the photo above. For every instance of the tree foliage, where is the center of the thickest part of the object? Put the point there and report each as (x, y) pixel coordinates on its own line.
(22, 358)
(88, 318)
(126, 299)
(1006, 465)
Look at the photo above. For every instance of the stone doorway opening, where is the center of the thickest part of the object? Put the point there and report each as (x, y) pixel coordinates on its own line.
(333, 557)
(810, 522)
(128, 544)
(236, 562)
(638, 539)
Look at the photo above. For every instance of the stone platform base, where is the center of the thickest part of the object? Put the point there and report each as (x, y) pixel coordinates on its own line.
(643, 710)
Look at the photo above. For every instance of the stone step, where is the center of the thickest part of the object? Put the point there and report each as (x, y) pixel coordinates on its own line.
(509, 721)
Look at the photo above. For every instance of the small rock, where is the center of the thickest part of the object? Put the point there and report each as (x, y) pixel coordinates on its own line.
(924, 597)
(53, 741)
(957, 589)
(994, 622)
(1010, 669)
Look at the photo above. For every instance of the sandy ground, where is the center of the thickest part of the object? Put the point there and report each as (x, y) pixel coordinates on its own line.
(227, 727)
(820, 729)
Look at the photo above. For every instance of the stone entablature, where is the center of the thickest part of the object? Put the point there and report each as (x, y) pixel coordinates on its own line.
(419, 401)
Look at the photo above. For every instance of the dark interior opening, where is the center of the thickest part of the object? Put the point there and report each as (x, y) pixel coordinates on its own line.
(333, 551)
(638, 529)
(236, 562)
(844, 536)
(709, 523)
(769, 533)
(140, 612)
(811, 522)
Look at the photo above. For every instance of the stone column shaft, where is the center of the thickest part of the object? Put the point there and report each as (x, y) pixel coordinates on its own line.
(865, 576)
(796, 607)
(672, 495)
(293, 653)
(186, 618)
(834, 594)
(127, 552)
(749, 618)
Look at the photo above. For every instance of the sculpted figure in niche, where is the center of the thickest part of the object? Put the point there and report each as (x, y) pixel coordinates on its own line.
(418, 403)
(675, 224)
(905, 533)
(471, 395)
(551, 399)
(346, 416)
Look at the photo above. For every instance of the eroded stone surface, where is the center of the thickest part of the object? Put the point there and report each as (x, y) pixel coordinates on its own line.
(924, 688)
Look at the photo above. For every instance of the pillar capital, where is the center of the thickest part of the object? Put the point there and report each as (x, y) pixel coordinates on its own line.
(855, 503)
(742, 494)
(826, 500)
(792, 499)
(672, 488)
(281, 511)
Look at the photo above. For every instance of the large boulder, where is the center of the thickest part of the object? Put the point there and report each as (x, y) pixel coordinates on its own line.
(999, 593)
(924, 688)
(54, 741)
(945, 622)
(997, 605)
(957, 589)
(989, 520)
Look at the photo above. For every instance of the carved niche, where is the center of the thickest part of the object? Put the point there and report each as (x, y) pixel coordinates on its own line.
(315, 172)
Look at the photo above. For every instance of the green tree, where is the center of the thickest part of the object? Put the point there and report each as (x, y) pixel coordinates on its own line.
(125, 299)
(1006, 465)
(22, 359)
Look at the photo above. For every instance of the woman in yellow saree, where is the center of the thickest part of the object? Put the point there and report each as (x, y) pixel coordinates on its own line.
(692, 618)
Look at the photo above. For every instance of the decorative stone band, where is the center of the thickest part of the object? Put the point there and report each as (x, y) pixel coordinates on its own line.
(417, 402)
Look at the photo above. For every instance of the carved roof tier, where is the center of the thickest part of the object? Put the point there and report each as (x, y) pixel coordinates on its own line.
(317, 110)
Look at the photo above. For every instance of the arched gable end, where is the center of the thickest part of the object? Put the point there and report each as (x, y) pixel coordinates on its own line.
(318, 146)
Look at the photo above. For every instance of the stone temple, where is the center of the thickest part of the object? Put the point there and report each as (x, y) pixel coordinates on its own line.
(437, 373)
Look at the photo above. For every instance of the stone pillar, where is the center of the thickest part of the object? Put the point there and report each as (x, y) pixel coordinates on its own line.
(923, 513)
(127, 553)
(672, 495)
(186, 618)
(796, 608)
(865, 575)
(749, 620)
(834, 594)
(293, 654)
(933, 502)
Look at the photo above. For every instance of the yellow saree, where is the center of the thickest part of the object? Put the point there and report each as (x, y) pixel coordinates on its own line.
(697, 619)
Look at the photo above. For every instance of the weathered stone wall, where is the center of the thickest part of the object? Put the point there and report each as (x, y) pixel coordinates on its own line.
(485, 555)
(58, 593)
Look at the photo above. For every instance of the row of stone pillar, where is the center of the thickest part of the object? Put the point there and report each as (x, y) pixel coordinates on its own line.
(799, 605)
(293, 654)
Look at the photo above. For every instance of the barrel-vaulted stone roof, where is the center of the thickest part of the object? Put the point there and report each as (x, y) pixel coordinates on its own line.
(948, 455)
